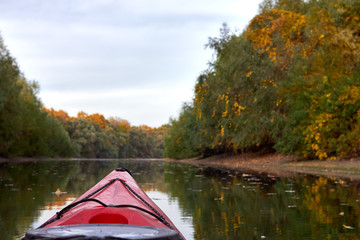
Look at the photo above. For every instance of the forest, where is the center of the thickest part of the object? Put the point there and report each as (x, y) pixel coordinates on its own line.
(27, 129)
(290, 83)
(93, 136)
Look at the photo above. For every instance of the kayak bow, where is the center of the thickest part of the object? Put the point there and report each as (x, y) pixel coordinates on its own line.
(115, 208)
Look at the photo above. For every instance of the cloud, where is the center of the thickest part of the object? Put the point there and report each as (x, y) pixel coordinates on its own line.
(126, 58)
(144, 106)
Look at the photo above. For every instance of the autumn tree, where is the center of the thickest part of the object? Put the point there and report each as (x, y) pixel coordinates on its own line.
(98, 119)
(59, 115)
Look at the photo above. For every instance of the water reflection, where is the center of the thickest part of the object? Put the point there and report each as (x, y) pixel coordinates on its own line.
(203, 203)
(173, 210)
(243, 206)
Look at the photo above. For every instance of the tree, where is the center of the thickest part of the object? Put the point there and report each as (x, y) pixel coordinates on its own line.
(9, 100)
(25, 129)
(98, 119)
(182, 138)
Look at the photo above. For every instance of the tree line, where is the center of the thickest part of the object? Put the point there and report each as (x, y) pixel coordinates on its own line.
(28, 129)
(289, 82)
(93, 136)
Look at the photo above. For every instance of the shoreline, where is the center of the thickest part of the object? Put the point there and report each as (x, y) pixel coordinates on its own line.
(260, 163)
(280, 165)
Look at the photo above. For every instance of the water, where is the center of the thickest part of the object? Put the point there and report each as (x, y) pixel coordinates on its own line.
(202, 202)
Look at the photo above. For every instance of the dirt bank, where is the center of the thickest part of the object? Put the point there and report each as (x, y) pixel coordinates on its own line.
(279, 165)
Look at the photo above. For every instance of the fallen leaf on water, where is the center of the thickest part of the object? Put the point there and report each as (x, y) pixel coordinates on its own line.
(289, 191)
(58, 192)
(347, 227)
(271, 194)
(197, 190)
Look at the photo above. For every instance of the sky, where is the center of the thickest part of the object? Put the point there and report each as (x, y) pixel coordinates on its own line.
(137, 60)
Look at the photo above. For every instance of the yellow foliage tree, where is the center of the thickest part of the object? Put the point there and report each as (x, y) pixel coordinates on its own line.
(60, 115)
(98, 119)
(278, 34)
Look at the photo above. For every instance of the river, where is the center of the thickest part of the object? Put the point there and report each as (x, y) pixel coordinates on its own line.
(203, 203)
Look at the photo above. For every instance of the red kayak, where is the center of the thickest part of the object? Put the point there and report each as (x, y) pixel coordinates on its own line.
(115, 208)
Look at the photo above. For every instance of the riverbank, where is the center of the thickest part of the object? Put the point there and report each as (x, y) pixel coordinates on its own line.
(263, 163)
(280, 165)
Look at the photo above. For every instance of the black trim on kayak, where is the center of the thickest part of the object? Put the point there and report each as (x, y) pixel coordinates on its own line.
(60, 214)
(163, 220)
(157, 215)
(123, 170)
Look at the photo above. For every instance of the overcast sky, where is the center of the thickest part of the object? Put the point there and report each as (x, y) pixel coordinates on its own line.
(133, 59)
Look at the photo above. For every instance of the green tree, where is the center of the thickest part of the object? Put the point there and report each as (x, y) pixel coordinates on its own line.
(92, 141)
(182, 138)
(9, 100)
(25, 129)
(140, 142)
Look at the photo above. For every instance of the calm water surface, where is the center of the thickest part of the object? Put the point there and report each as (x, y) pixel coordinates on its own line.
(202, 202)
